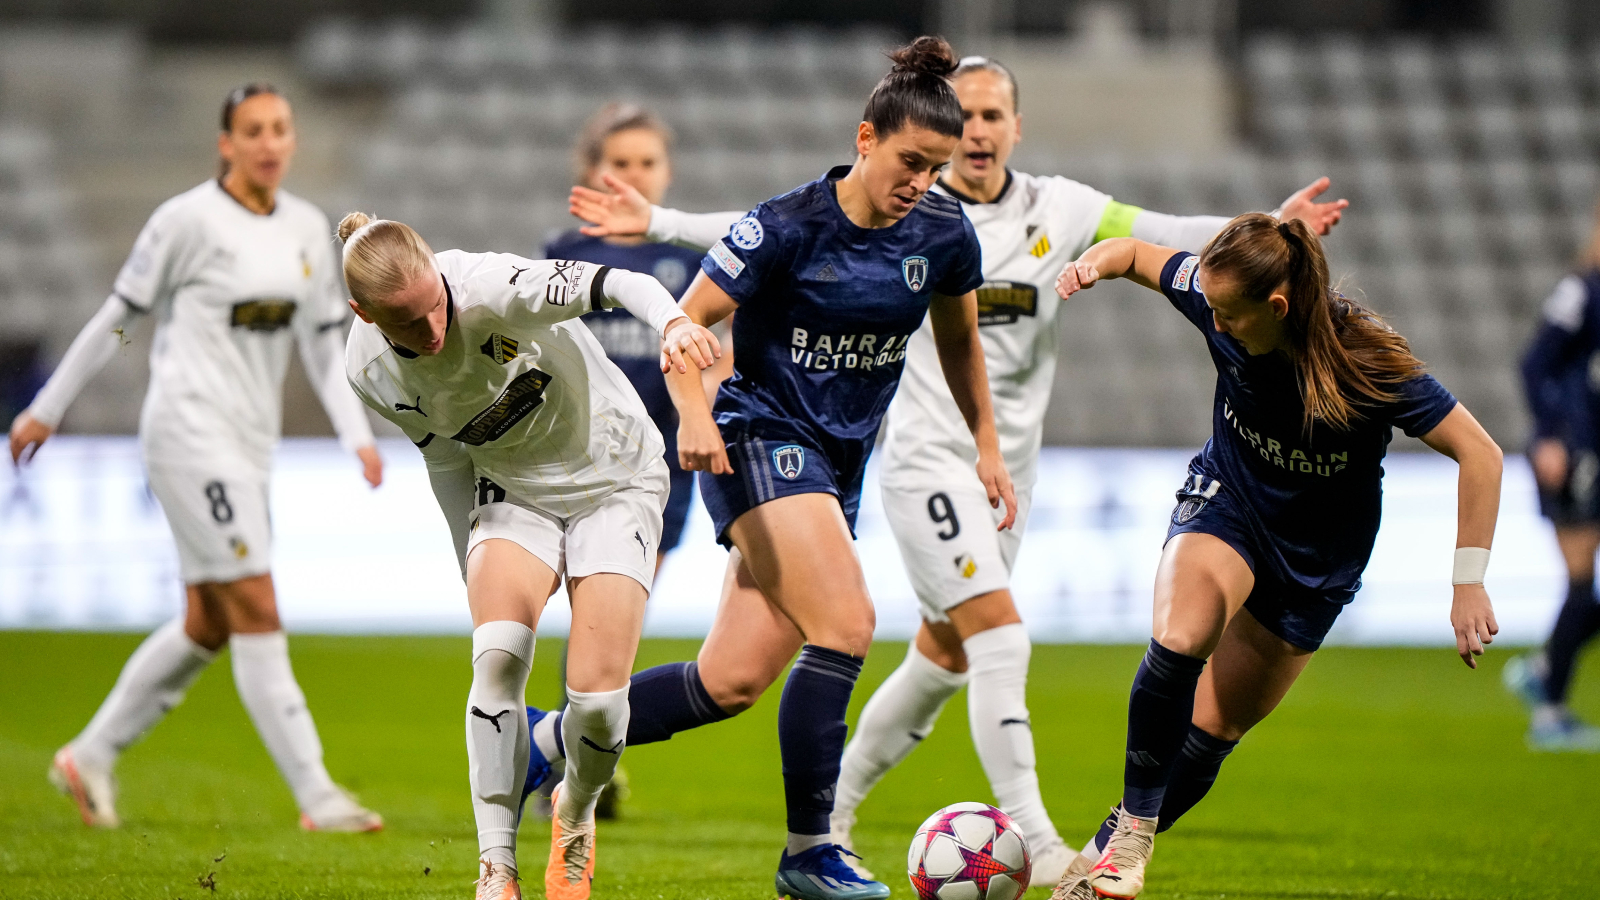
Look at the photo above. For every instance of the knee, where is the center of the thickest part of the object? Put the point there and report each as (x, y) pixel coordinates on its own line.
(1220, 725)
(1189, 642)
(735, 694)
(849, 632)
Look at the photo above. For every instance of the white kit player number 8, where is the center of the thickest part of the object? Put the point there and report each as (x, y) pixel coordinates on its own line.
(221, 510)
(941, 510)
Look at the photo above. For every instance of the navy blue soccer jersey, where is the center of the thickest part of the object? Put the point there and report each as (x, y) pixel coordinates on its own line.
(1314, 499)
(1563, 395)
(826, 308)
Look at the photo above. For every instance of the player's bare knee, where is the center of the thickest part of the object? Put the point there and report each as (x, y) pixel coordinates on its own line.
(736, 694)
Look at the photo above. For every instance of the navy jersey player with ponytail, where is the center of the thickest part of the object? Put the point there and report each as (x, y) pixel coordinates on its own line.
(830, 281)
(1278, 513)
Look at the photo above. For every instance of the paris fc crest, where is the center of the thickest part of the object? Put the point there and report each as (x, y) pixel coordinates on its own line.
(789, 460)
(915, 269)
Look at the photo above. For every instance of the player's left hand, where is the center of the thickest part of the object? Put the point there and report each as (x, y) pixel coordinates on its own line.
(622, 212)
(1303, 205)
(1076, 276)
(997, 483)
(686, 340)
(1472, 617)
(371, 464)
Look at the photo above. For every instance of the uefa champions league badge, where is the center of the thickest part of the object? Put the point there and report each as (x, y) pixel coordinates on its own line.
(915, 270)
(747, 233)
(789, 460)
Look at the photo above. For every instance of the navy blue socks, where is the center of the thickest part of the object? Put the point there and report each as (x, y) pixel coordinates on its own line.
(811, 734)
(1577, 623)
(665, 700)
(1193, 775)
(1159, 710)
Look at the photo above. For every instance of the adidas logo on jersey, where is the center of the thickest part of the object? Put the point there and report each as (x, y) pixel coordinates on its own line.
(826, 273)
(1040, 247)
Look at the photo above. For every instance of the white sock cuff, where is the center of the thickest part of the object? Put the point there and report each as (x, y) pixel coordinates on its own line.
(260, 645)
(925, 669)
(176, 629)
(609, 705)
(514, 638)
(999, 645)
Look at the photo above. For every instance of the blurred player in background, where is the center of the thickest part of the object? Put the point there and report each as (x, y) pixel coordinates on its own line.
(234, 272)
(547, 468)
(960, 565)
(1278, 515)
(830, 282)
(629, 144)
(1561, 374)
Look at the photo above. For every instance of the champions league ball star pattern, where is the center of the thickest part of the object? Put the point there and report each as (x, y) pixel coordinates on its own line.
(969, 851)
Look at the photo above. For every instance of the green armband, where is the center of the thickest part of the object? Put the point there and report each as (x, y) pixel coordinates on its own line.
(1116, 221)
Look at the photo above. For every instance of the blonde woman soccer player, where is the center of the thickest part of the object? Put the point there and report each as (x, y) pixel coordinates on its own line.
(959, 563)
(546, 466)
(234, 272)
(1277, 517)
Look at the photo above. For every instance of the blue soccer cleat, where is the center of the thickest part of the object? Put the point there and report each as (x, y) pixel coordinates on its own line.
(821, 873)
(543, 774)
(1523, 676)
(1563, 733)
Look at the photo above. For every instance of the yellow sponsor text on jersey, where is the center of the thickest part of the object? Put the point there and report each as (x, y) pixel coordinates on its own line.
(1040, 247)
(263, 315)
(1004, 302)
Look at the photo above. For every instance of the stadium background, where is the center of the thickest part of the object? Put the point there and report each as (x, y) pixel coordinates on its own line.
(1463, 133)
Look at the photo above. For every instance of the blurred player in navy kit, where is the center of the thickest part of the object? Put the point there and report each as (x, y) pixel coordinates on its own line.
(1563, 388)
(626, 143)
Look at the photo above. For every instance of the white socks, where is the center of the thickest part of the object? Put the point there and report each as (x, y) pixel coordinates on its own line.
(153, 681)
(997, 708)
(497, 735)
(265, 681)
(900, 713)
(594, 728)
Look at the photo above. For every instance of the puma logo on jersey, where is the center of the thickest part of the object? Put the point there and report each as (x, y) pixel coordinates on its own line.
(493, 720)
(499, 348)
(616, 749)
(517, 274)
(1040, 247)
(401, 407)
(642, 545)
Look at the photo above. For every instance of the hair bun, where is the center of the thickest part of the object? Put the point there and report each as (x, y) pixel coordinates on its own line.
(352, 223)
(927, 55)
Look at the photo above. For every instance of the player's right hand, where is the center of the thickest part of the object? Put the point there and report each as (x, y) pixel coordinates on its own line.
(700, 447)
(1549, 460)
(622, 212)
(27, 436)
(1077, 276)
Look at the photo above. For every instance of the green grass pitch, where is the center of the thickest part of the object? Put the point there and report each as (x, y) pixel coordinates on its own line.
(1386, 774)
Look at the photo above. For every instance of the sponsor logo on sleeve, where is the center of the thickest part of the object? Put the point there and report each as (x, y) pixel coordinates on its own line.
(563, 281)
(1184, 277)
(725, 260)
(789, 460)
(747, 233)
(915, 270)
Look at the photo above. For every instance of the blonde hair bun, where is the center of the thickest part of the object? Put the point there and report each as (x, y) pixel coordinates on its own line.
(352, 223)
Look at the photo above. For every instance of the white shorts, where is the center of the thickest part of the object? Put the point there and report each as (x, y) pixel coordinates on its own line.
(219, 517)
(949, 542)
(620, 534)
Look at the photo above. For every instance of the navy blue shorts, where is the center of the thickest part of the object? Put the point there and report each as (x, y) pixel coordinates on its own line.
(677, 511)
(765, 469)
(1301, 616)
(1577, 500)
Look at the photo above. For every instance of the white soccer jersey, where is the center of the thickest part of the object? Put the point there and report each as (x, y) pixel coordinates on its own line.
(520, 382)
(228, 287)
(1036, 227)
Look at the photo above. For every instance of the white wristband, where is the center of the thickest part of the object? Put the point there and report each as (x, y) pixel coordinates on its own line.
(1471, 563)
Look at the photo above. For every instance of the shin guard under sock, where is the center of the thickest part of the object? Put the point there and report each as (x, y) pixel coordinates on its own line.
(1160, 707)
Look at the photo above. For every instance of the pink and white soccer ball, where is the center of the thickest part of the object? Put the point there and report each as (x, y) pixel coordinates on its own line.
(969, 851)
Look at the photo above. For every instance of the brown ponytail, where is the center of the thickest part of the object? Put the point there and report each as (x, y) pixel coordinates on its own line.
(1345, 355)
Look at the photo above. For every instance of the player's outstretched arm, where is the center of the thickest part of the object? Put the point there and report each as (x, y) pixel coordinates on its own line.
(1192, 233)
(1461, 438)
(105, 333)
(700, 444)
(955, 335)
(624, 212)
(1130, 258)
